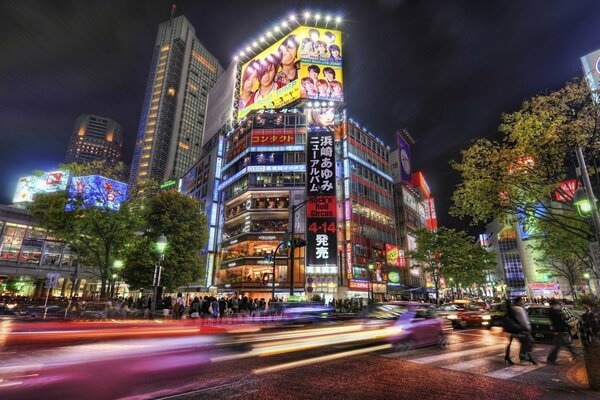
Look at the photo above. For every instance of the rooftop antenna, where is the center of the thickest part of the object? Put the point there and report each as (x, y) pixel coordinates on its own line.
(173, 8)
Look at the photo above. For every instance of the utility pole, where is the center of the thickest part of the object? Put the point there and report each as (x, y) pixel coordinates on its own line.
(590, 193)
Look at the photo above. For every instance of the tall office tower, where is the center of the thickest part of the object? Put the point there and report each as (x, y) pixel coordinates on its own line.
(95, 138)
(169, 140)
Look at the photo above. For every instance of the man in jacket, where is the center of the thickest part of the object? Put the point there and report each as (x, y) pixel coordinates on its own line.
(562, 333)
(525, 335)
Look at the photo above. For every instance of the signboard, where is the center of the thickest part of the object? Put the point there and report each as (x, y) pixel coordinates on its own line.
(418, 181)
(270, 138)
(358, 286)
(430, 217)
(393, 276)
(391, 255)
(321, 232)
(49, 182)
(266, 158)
(591, 71)
(405, 159)
(567, 190)
(97, 191)
(168, 184)
(307, 64)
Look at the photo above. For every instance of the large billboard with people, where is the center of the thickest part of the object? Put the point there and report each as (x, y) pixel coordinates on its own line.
(307, 64)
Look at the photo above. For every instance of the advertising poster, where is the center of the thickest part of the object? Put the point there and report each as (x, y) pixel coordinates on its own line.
(97, 191)
(321, 208)
(567, 190)
(49, 182)
(307, 63)
(405, 160)
(431, 219)
(392, 255)
(591, 71)
(266, 159)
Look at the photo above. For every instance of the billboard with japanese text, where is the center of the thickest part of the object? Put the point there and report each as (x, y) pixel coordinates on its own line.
(306, 63)
(321, 208)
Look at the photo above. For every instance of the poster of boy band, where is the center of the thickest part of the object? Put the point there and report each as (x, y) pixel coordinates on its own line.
(306, 64)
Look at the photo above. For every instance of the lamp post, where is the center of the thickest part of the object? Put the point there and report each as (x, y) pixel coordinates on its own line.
(292, 243)
(585, 201)
(586, 276)
(117, 265)
(273, 258)
(161, 245)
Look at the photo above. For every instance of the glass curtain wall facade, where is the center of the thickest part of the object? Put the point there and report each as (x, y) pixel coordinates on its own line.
(182, 72)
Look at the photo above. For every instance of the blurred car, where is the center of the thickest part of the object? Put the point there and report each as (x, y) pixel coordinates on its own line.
(541, 327)
(418, 325)
(303, 311)
(93, 311)
(37, 311)
(463, 314)
(496, 313)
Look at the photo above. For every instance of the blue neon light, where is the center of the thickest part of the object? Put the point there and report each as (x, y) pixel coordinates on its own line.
(291, 147)
(277, 168)
(365, 164)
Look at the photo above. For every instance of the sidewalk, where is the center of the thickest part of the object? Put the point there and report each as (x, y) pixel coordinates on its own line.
(569, 383)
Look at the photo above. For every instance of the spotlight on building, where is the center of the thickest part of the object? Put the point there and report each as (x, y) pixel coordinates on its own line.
(317, 17)
(248, 49)
(306, 15)
(309, 104)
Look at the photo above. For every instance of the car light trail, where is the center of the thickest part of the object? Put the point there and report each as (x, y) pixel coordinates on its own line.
(320, 359)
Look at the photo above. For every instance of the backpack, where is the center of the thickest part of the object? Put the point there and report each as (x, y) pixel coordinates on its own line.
(511, 325)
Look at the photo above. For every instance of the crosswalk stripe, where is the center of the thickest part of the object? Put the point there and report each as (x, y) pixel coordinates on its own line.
(455, 354)
(512, 371)
(478, 362)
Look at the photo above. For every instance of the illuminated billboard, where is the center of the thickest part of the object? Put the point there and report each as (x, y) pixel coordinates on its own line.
(97, 191)
(392, 255)
(591, 71)
(49, 182)
(306, 64)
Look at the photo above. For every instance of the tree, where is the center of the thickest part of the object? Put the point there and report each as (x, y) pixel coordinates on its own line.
(98, 234)
(183, 221)
(451, 254)
(517, 174)
(561, 253)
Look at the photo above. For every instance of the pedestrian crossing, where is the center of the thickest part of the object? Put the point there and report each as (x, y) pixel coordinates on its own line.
(477, 355)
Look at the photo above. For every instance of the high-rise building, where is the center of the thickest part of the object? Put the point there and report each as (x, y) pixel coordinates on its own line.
(95, 138)
(182, 72)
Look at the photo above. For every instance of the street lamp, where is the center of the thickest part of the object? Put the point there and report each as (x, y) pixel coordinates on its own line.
(371, 267)
(582, 202)
(161, 246)
(586, 276)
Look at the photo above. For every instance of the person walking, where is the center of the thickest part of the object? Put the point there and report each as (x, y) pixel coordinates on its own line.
(562, 333)
(222, 306)
(525, 335)
(195, 308)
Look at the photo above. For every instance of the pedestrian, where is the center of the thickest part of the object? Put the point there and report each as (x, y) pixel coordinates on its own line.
(215, 306)
(179, 308)
(222, 306)
(235, 304)
(204, 310)
(562, 333)
(167, 305)
(195, 308)
(524, 336)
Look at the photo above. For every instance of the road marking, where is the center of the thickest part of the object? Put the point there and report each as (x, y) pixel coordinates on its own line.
(447, 356)
(478, 362)
(512, 371)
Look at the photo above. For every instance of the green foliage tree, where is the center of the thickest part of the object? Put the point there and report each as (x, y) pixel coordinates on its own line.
(451, 254)
(97, 234)
(562, 254)
(183, 221)
(517, 174)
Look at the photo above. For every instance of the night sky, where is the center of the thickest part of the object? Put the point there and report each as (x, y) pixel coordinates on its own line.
(445, 70)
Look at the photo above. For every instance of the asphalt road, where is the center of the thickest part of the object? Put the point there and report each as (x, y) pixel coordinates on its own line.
(258, 365)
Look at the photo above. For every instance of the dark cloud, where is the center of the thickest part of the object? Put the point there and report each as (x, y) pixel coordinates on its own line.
(444, 70)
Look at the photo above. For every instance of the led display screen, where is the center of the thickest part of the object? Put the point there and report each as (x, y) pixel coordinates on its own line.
(49, 182)
(96, 191)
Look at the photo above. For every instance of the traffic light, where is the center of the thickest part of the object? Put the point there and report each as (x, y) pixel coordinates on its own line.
(295, 243)
(299, 242)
